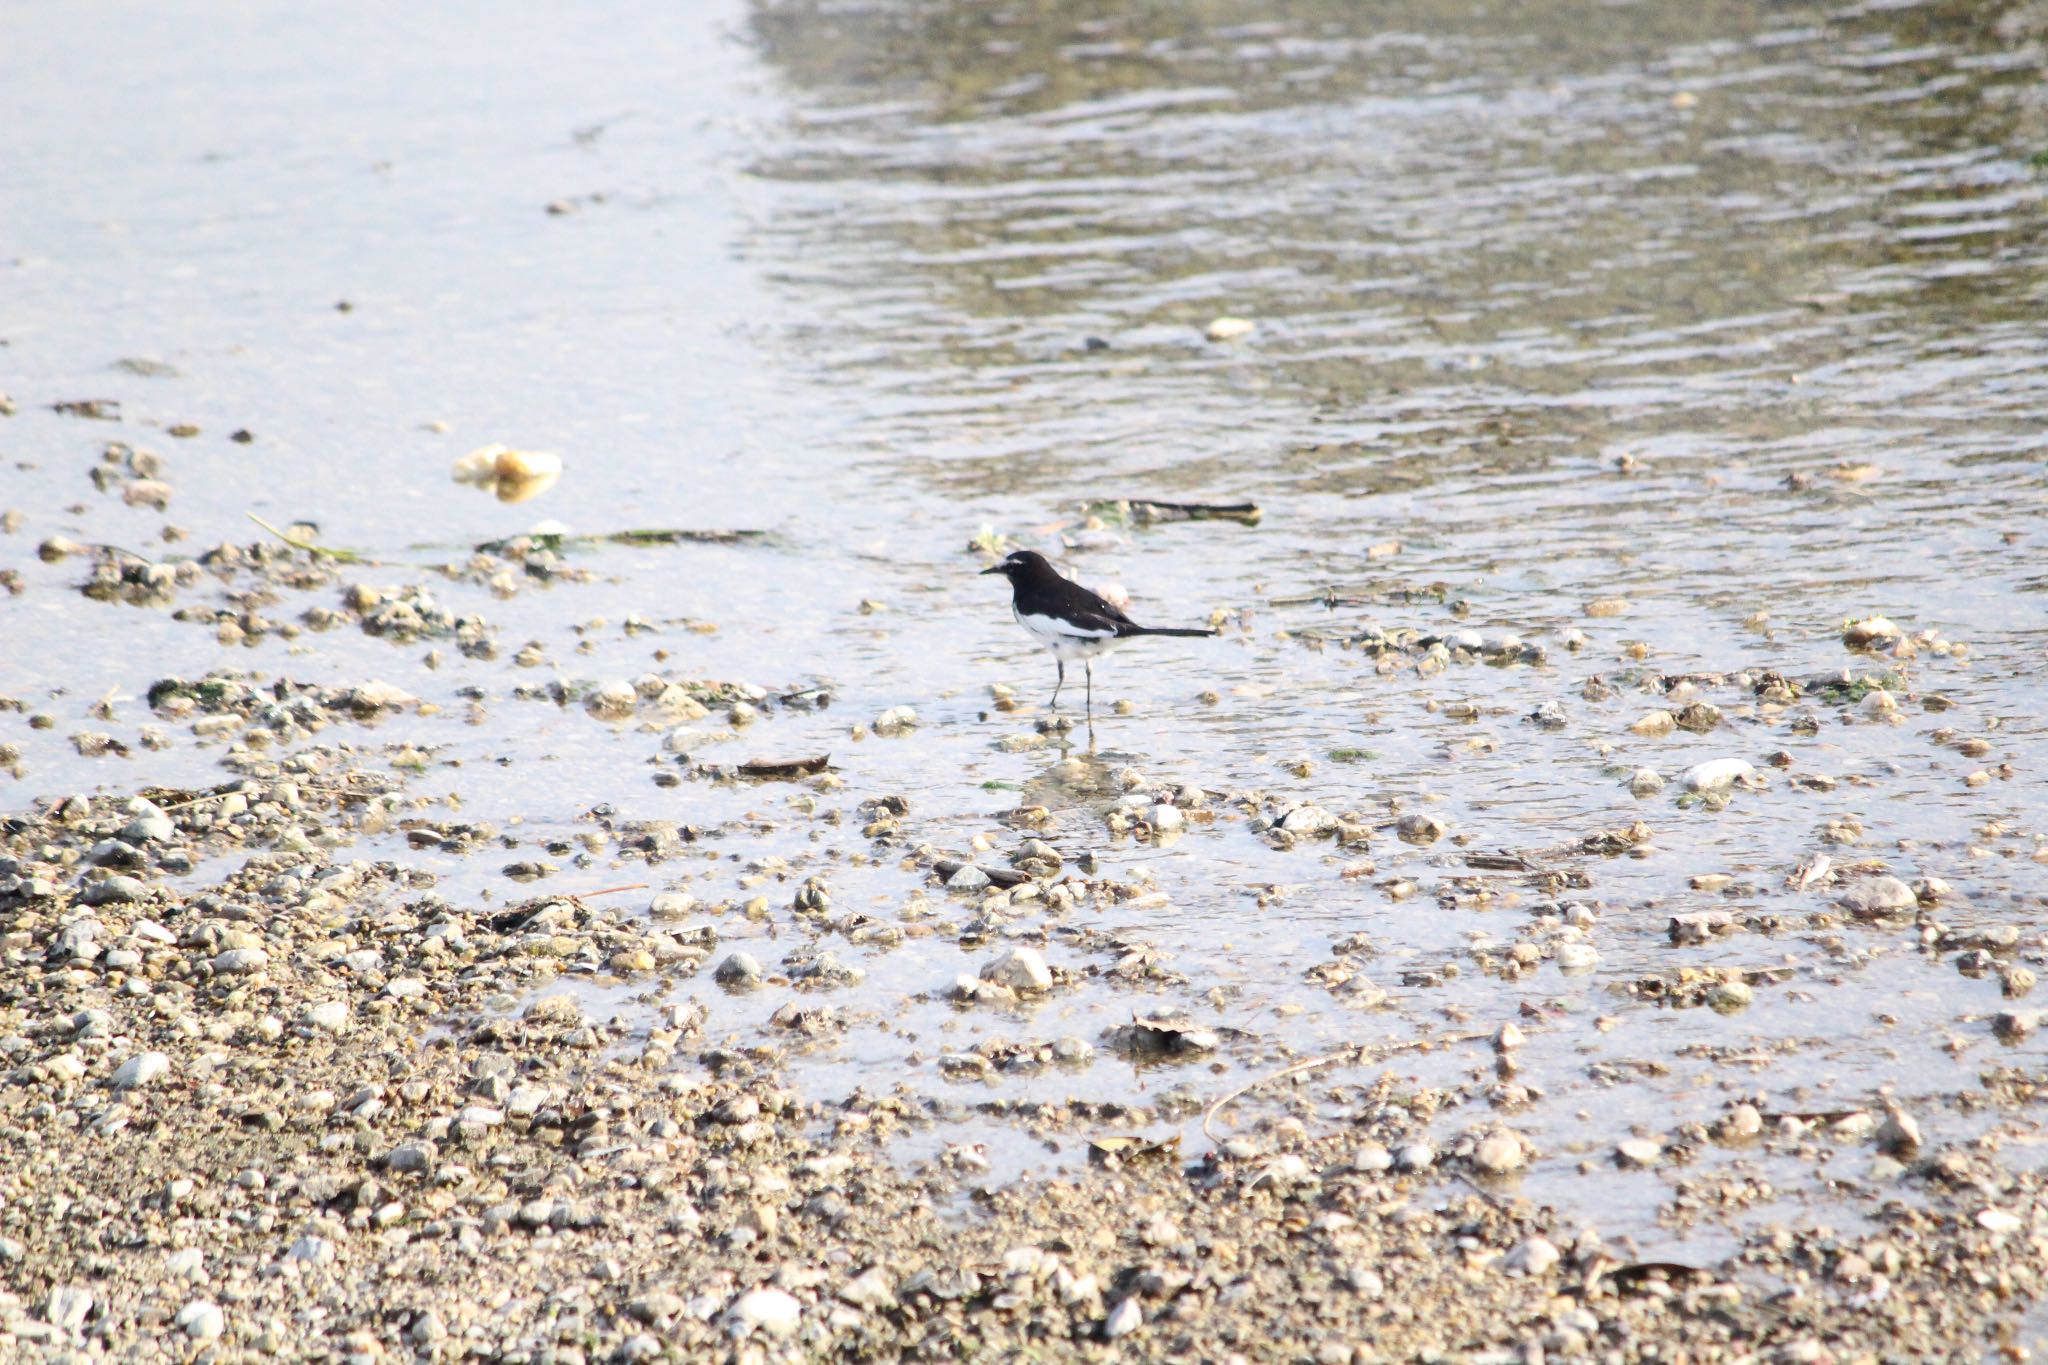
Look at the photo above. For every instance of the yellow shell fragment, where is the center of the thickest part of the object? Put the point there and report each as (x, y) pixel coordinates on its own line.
(514, 475)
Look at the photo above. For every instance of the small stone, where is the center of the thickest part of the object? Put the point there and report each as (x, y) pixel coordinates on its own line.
(1638, 1153)
(1508, 1037)
(1535, 1256)
(1872, 632)
(1716, 775)
(1372, 1158)
(1229, 328)
(967, 878)
(613, 701)
(1645, 782)
(1899, 1133)
(1021, 969)
(769, 1311)
(1743, 1121)
(202, 1321)
(311, 1250)
(2015, 1026)
(1308, 821)
(114, 891)
(897, 720)
(870, 1289)
(1577, 957)
(738, 970)
(1730, 997)
(1654, 724)
(1998, 1222)
(412, 1157)
(240, 961)
(1499, 1153)
(1421, 829)
(1123, 1320)
(328, 1016)
(1416, 1156)
(1876, 897)
(67, 1307)
(140, 1070)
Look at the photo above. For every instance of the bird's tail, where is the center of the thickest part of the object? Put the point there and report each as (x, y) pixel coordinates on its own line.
(1161, 630)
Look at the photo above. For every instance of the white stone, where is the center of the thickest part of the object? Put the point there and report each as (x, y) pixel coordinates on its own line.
(1715, 775)
(311, 1250)
(1021, 969)
(1536, 1256)
(202, 1321)
(1999, 1222)
(770, 1311)
(140, 1070)
(329, 1016)
(1638, 1152)
(67, 1307)
(1123, 1320)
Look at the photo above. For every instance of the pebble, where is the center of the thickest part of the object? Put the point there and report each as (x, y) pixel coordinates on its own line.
(1716, 775)
(1654, 724)
(1645, 782)
(1416, 1156)
(240, 961)
(1421, 829)
(869, 1289)
(114, 891)
(67, 1307)
(967, 878)
(1638, 1152)
(1021, 969)
(1577, 957)
(738, 970)
(329, 1016)
(1998, 1222)
(1372, 1158)
(1729, 997)
(1535, 1256)
(1898, 1133)
(1499, 1153)
(202, 1321)
(896, 720)
(769, 1311)
(614, 700)
(1123, 1320)
(140, 1070)
(1872, 897)
(311, 1250)
(1871, 632)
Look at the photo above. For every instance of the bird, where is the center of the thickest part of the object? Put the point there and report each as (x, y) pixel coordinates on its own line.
(1067, 619)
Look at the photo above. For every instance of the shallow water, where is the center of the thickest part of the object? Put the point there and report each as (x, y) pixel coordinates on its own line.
(1736, 320)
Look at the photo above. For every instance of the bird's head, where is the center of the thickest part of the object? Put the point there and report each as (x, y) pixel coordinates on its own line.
(1020, 563)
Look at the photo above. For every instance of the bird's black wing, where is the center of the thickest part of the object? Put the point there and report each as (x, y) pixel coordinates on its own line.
(1078, 604)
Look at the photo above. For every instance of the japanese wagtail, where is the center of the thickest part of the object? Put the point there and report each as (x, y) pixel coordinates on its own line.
(1067, 619)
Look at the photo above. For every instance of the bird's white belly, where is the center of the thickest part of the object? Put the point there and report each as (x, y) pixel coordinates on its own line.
(1068, 643)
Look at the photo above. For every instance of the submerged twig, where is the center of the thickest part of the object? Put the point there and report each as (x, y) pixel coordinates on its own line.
(1150, 509)
(785, 767)
(317, 551)
(1355, 1055)
(648, 535)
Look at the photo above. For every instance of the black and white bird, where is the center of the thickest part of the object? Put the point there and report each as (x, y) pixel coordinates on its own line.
(1067, 619)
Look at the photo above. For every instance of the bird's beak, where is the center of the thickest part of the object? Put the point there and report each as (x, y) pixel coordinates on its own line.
(994, 568)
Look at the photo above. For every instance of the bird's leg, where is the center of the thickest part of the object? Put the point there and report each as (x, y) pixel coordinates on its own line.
(1062, 666)
(1088, 668)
